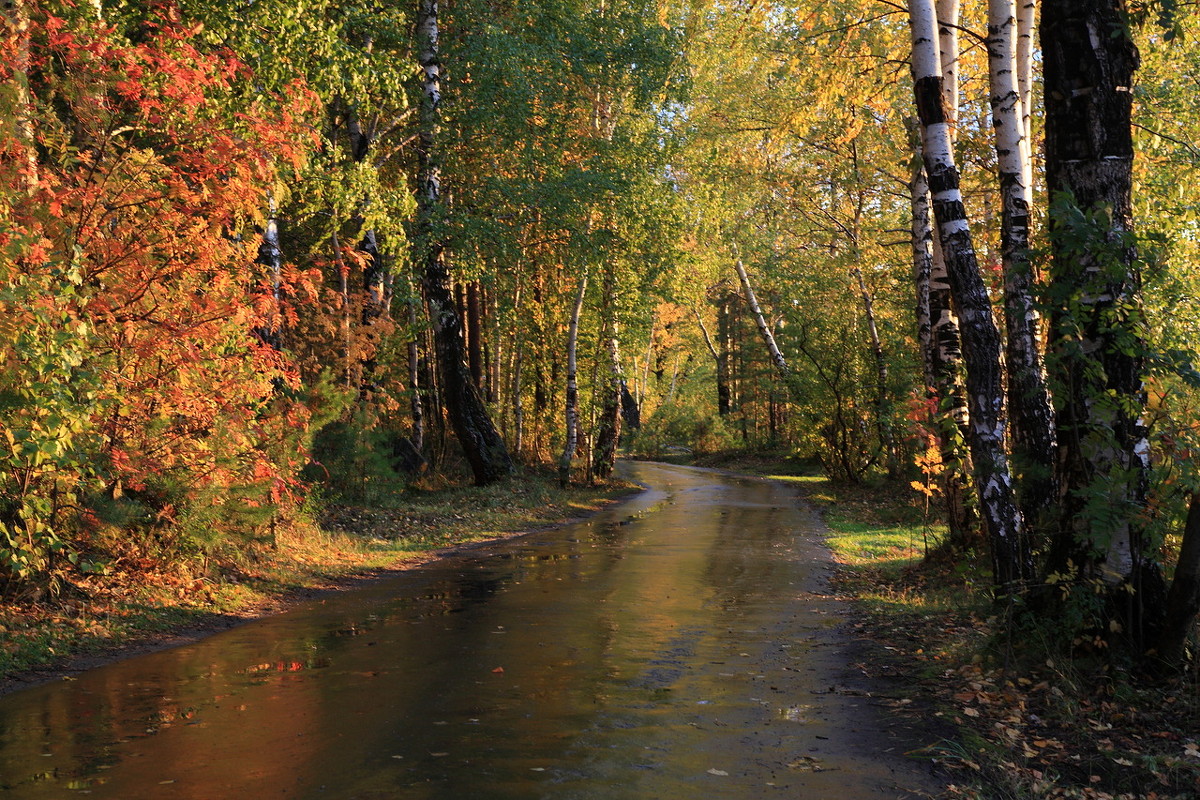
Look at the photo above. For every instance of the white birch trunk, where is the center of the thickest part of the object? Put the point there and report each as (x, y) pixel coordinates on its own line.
(708, 341)
(417, 408)
(271, 256)
(607, 430)
(981, 338)
(947, 341)
(922, 256)
(516, 365)
(948, 13)
(781, 365)
(1026, 24)
(943, 346)
(881, 368)
(481, 442)
(572, 409)
(942, 373)
(1028, 398)
(644, 390)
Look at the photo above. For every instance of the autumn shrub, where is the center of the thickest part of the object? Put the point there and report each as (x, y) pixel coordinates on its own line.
(134, 380)
(47, 397)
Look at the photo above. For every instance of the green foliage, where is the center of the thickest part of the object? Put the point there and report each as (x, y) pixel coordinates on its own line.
(677, 427)
(48, 397)
(1103, 350)
(1099, 273)
(356, 460)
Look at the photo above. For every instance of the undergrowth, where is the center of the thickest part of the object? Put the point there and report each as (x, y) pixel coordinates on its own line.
(1030, 725)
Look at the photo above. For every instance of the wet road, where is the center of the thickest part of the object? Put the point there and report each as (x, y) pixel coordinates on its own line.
(677, 646)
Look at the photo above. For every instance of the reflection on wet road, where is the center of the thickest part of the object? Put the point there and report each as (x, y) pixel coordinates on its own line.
(677, 646)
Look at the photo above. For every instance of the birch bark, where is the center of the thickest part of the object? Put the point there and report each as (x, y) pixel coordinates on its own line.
(941, 361)
(1033, 432)
(608, 425)
(518, 364)
(572, 407)
(374, 270)
(981, 338)
(480, 441)
(948, 13)
(764, 330)
(271, 256)
(1026, 23)
(726, 396)
(720, 356)
(922, 256)
(417, 408)
(1089, 65)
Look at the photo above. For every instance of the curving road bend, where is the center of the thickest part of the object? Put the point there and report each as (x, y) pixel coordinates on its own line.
(679, 646)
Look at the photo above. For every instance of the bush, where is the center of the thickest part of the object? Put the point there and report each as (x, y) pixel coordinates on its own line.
(676, 425)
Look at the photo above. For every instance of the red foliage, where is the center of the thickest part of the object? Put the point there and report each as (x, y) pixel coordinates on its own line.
(154, 160)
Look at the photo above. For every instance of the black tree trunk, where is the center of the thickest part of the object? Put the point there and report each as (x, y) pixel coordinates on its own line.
(480, 441)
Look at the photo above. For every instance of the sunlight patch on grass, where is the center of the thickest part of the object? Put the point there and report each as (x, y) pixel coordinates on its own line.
(895, 547)
(808, 480)
(880, 537)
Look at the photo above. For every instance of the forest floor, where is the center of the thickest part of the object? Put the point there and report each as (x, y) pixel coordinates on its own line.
(1032, 716)
(145, 602)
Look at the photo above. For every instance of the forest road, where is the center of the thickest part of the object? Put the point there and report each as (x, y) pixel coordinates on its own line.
(680, 645)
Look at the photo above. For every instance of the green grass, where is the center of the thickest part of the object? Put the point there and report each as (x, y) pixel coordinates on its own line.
(880, 534)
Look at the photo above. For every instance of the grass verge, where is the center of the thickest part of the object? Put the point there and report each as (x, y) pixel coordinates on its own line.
(1026, 726)
(143, 600)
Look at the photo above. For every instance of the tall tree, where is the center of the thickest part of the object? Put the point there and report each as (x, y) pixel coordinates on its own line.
(1030, 411)
(941, 358)
(481, 442)
(764, 330)
(572, 400)
(980, 336)
(608, 390)
(944, 358)
(1097, 337)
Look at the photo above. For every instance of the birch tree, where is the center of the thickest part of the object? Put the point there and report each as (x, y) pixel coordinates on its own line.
(941, 361)
(481, 442)
(1097, 338)
(764, 330)
(1026, 27)
(1032, 416)
(980, 336)
(572, 401)
(941, 342)
(608, 390)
